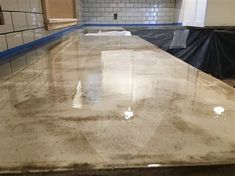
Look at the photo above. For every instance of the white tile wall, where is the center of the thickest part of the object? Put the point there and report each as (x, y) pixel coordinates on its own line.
(19, 21)
(39, 33)
(3, 43)
(28, 36)
(22, 19)
(79, 11)
(14, 39)
(32, 20)
(36, 6)
(8, 27)
(40, 20)
(24, 5)
(10, 5)
(129, 11)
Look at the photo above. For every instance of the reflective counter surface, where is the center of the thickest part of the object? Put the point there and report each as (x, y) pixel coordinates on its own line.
(111, 102)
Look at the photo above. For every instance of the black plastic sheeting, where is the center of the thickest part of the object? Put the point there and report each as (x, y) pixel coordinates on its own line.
(210, 50)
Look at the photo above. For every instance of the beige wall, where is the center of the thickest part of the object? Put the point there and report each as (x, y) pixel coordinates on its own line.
(220, 13)
(179, 11)
(202, 13)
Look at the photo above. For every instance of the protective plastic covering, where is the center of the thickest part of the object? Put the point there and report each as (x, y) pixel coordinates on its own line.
(210, 50)
(179, 39)
(160, 37)
(110, 33)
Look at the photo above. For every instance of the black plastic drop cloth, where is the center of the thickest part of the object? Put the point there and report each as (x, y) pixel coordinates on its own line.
(210, 50)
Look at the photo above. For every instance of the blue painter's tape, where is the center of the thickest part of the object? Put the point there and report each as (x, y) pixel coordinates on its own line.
(37, 43)
(40, 42)
(132, 25)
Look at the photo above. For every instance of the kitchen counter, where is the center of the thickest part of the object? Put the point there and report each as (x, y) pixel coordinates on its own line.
(111, 103)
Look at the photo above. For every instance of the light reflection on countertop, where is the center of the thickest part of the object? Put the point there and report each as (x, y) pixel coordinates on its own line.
(69, 102)
(218, 110)
(77, 101)
(154, 165)
(128, 114)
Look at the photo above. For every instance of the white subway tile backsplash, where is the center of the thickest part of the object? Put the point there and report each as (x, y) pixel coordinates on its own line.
(40, 6)
(7, 27)
(27, 16)
(28, 36)
(14, 39)
(3, 43)
(79, 10)
(32, 20)
(36, 6)
(40, 20)
(24, 5)
(9, 5)
(19, 21)
(39, 33)
(129, 11)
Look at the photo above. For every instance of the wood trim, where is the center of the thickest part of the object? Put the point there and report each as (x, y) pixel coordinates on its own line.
(45, 9)
(59, 13)
(62, 20)
(52, 26)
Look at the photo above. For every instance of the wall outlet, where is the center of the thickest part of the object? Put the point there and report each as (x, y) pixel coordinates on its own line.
(1, 17)
(115, 16)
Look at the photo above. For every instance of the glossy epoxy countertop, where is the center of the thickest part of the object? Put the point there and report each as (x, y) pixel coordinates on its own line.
(65, 107)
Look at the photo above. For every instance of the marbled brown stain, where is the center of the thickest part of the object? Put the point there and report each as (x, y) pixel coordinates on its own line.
(30, 107)
(31, 102)
(150, 103)
(191, 129)
(34, 105)
(185, 127)
(129, 157)
(112, 117)
(223, 156)
(48, 167)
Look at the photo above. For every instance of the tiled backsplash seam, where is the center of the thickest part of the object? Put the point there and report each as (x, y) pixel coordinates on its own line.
(21, 11)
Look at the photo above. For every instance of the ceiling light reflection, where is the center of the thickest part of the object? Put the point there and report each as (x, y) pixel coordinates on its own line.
(218, 110)
(77, 100)
(154, 165)
(128, 114)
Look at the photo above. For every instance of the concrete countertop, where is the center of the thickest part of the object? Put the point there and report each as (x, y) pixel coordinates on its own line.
(112, 102)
